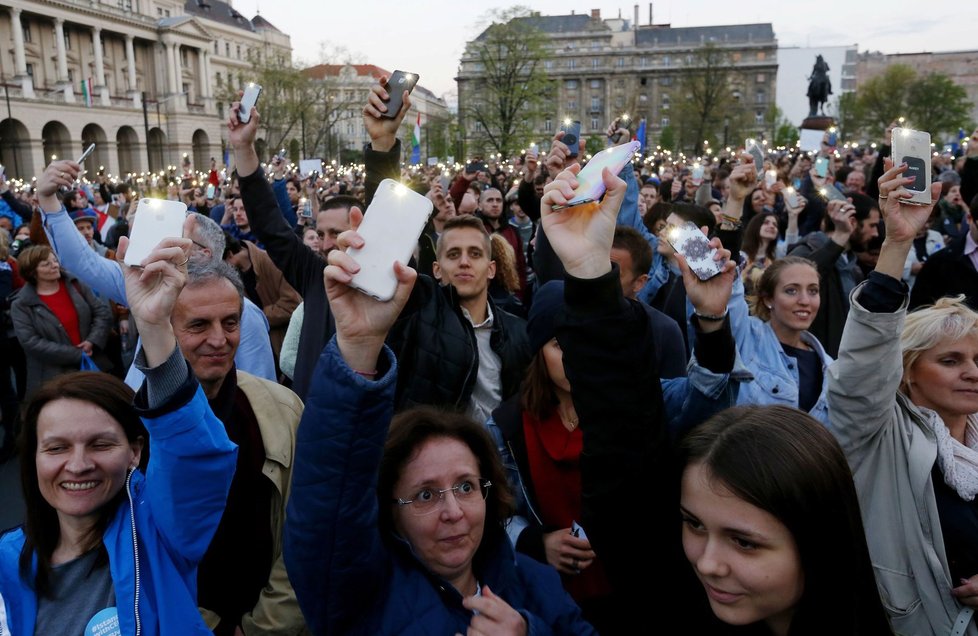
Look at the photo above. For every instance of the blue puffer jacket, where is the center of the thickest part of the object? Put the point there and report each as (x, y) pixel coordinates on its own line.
(176, 508)
(347, 578)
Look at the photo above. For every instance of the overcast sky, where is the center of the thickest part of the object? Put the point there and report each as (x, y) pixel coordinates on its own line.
(428, 36)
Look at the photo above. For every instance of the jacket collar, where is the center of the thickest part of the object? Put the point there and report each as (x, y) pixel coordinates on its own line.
(275, 434)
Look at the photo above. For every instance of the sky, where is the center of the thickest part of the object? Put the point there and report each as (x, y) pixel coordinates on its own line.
(427, 36)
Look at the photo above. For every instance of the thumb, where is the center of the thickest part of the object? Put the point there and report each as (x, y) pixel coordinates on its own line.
(356, 218)
(486, 592)
(123, 247)
(614, 191)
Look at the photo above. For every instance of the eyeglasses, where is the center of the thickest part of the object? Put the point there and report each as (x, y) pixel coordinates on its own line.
(430, 499)
(200, 245)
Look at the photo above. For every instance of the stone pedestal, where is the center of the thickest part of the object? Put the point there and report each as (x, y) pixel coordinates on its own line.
(820, 122)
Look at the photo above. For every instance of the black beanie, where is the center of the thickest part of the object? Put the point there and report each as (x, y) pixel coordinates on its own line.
(547, 301)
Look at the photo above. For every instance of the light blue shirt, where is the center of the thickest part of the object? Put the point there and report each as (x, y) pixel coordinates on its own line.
(105, 277)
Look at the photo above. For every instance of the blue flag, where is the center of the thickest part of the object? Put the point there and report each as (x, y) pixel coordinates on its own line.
(640, 135)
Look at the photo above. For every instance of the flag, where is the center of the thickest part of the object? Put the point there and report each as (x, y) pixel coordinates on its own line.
(640, 135)
(86, 89)
(416, 142)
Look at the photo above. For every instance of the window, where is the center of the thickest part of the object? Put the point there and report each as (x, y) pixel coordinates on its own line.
(67, 40)
(595, 83)
(643, 62)
(761, 78)
(570, 85)
(572, 63)
(238, 47)
(759, 117)
(620, 83)
(217, 77)
(665, 122)
(596, 105)
(548, 64)
(665, 60)
(595, 45)
(548, 125)
(71, 76)
(595, 62)
(761, 55)
(643, 98)
(594, 123)
(220, 110)
(30, 71)
(665, 81)
(478, 126)
(572, 106)
(759, 97)
(227, 49)
(621, 62)
(27, 33)
(217, 48)
(619, 103)
(349, 127)
(184, 57)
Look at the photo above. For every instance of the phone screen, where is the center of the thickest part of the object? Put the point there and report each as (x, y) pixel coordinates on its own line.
(210, 190)
(822, 166)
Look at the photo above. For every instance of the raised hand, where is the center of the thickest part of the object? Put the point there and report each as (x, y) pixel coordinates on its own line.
(58, 174)
(383, 130)
(362, 322)
(903, 220)
(242, 138)
(709, 297)
(581, 236)
(493, 616)
(743, 178)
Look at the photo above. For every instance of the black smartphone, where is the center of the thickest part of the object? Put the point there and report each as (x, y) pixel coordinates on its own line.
(248, 101)
(476, 166)
(572, 136)
(399, 82)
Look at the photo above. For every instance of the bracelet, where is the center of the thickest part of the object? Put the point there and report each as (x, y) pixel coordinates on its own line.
(366, 374)
(732, 221)
(710, 317)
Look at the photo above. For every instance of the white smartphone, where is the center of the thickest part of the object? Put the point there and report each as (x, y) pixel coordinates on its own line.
(248, 101)
(590, 187)
(757, 154)
(155, 220)
(913, 148)
(770, 178)
(791, 196)
(390, 230)
(689, 240)
(578, 531)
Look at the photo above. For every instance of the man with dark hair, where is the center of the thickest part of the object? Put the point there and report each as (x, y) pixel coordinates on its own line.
(633, 254)
(334, 219)
(491, 213)
(848, 228)
(455, 347)
(953, 270)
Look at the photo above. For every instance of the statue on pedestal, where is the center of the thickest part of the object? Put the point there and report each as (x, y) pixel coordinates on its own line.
(819, 88)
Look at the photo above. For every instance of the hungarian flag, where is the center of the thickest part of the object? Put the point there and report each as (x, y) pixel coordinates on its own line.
(416, 142)
(86, 89)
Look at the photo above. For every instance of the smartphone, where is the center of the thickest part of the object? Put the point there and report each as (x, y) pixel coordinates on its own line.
(689, 240)
(390, 230)
(758, 155)
(248, 101)
(578, 531)
(399, 82)
(833, 139)
(309, 166)
(912, 147)
(210, 191)
(791, 196)
(85, 155)
(831, 193)
(305, 208)
(822, 166)
(770, 178)
(590, 187)
(155, 220)
(572, 137)
(697, 174)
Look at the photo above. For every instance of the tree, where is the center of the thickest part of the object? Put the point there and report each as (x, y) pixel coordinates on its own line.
(883, 98)
(938, 105)
(849, 116)
(667, 138)
(500, 107)
(785, 133)
(706, 98)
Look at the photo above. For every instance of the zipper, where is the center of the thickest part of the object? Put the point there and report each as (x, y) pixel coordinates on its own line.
(135, 551)
(4, 629)
(474, 363)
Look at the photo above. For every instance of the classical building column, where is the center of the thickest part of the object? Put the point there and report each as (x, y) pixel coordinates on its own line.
(177, 69)
(100, 86)
(63, 83)
(202, 79)
(137, 100)
(20, 62)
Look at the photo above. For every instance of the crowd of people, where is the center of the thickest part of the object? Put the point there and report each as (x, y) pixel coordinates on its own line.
(555, 426)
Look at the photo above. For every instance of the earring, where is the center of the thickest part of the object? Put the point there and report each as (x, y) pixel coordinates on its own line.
(770, 306)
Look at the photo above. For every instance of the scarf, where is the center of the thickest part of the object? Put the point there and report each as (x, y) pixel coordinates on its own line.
(958, 462)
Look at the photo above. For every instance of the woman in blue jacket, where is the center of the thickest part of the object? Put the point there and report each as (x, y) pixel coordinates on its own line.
(105, 547)
(788, 363)
(396, 526)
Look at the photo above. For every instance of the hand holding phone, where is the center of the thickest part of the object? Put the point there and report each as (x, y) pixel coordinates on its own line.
(390, 230)
(689, 240)
(155, 220)
(590, 185)
(399, 82)
(912, 147)
(248, 101)
(756, 154)
(822, 166)
(572, 137)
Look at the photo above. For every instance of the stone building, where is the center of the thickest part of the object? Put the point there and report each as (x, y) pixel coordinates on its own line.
(348, 85)
(605, 67)
(136, 77)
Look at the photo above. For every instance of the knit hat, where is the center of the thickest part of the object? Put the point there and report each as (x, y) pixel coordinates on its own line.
(84, 215)
(547, 301)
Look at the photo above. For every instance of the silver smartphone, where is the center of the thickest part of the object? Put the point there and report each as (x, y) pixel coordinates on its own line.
(155, 220)
(248, 101)
(390, 230)
(912, 147)
(689, 240)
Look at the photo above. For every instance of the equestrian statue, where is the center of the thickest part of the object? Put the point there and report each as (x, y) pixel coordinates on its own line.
(819, 88)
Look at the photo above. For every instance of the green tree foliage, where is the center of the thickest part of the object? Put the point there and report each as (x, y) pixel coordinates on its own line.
(785, 133)
(931, 102)
(667, 138)
(706, 100)
(510, 94)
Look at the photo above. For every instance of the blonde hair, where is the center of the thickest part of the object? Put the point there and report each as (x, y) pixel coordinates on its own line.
(4, 246)
(505, 258)
(948, 318)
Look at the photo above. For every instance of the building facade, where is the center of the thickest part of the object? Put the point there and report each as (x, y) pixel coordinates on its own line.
(605, 67)
(347, 86)
(960, 66)
(135, 77)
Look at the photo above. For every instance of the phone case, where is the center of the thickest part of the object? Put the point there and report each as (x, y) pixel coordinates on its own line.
(590, 187)
(688, 240)
(913, 148)
(822, 166)
(390, 230)
(85, 154)
(248, 101)
(755, 151)
(398, 83)
(572, 137)
(791, 196)
(156, 219)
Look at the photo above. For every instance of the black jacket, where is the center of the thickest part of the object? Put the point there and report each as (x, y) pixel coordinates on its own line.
(948, 272)
(437, 351)
(300, 265)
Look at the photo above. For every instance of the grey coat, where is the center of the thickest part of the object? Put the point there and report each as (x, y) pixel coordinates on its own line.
(892, 452)
(44, 339)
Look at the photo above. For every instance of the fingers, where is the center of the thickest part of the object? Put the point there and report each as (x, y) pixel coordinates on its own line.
(375, 102)
(614, 190)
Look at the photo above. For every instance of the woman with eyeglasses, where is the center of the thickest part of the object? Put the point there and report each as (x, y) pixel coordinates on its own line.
(395, 524)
